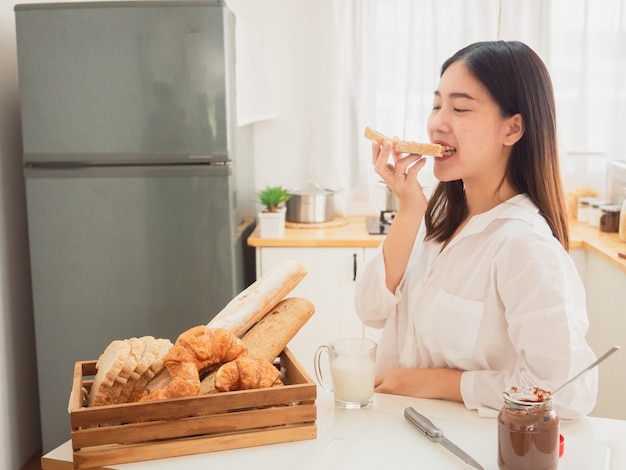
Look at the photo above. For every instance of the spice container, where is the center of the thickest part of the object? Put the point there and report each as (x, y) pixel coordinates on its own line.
(594, 211)
(528, 430)
(609, 218)
(583, 208)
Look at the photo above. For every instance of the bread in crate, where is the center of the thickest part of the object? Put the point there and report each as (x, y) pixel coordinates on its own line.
(131, 432)
(174, 412)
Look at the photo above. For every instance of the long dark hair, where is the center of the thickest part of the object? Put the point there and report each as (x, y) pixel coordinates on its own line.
(519, 82)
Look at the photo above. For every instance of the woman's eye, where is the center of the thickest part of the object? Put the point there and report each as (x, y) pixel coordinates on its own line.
(458, 110)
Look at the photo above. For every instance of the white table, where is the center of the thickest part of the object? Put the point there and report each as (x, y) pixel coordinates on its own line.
(381, 438)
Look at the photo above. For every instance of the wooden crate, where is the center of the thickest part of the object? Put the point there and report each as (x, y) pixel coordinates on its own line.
(113, 434)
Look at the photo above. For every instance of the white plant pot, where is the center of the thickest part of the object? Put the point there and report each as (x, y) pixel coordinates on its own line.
(272, 224)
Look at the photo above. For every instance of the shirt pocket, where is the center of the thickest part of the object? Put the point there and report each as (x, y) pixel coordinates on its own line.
(450, 328)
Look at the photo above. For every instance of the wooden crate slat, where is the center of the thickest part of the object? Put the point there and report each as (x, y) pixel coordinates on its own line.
(203, 425)
(95, 457)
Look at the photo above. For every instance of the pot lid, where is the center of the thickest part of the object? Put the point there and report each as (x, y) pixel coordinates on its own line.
(312, 189)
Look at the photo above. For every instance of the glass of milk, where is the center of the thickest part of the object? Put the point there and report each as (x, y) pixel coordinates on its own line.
(352, 369)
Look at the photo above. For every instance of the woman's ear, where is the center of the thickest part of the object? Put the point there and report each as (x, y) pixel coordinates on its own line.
(515, 130)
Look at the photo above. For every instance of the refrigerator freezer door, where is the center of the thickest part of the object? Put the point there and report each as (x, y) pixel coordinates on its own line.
(125, 81)
(123, 252)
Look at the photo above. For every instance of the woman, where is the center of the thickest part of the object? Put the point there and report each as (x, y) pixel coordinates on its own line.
(474, 287)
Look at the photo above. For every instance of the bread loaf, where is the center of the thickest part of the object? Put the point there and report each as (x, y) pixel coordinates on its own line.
(273, 332)
(135, 375)
(253, 303)
(136, 350)
(108, 366)
(402, 146)
(150, 365)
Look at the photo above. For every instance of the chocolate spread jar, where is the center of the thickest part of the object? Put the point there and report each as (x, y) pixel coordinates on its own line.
(528, 430)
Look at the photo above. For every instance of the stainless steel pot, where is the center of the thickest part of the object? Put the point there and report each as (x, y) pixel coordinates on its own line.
(312, 205)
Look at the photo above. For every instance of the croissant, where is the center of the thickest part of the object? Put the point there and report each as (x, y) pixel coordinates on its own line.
(247, 373)
(195, 349)
(206, 347)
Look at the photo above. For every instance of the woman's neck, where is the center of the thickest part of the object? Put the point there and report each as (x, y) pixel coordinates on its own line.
(482, 198)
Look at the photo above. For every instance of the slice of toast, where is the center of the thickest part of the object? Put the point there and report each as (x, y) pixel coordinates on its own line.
(403, 146)
(108, 366)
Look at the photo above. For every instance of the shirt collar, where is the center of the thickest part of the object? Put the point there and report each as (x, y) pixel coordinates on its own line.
(518, 207)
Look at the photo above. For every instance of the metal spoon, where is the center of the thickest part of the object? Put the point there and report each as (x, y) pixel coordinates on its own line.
(589, 367)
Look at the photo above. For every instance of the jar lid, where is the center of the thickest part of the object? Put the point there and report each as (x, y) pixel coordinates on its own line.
(610, 208)
(528, 396)
(599, 202)
(586, 199)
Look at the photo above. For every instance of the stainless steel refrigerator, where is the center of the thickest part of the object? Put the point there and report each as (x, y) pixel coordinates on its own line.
(133, 165)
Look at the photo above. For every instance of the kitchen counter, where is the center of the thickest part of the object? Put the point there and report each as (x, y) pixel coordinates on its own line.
(381, 438)
(351, 231)
(354, 233)
(605, 245)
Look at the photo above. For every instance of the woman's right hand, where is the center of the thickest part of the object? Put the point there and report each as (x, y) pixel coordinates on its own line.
(400, 175)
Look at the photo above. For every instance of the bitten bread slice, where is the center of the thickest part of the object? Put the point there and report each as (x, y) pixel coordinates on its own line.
(402, 146)
(109, 365)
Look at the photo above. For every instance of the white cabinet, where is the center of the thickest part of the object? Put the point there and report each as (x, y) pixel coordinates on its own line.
(329, 284)
(605, 286)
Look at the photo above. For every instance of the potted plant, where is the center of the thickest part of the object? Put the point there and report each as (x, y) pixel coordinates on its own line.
(272, 218)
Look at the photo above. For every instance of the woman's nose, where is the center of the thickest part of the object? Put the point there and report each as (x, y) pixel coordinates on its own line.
(438, 121)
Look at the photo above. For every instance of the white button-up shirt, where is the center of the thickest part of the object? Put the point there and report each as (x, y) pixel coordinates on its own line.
(502, 301)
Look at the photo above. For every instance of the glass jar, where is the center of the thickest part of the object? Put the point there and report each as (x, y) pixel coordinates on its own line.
(595, 212)
(528, 430)
(583, 208)
(609, 218)
(622, 221)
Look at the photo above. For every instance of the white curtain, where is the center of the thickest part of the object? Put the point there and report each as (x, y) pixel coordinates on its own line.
(588, 51)
(379, 61)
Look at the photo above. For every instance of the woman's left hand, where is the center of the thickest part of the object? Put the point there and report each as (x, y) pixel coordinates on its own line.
(421, 383)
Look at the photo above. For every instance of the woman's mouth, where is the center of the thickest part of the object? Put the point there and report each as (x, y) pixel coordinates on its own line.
(447, 150)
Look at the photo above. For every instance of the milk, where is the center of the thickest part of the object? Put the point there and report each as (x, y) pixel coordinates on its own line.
(353, 378)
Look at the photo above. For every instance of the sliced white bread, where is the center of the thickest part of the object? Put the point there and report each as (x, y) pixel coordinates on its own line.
(108, 366)
(154, 359)
(142, 366)
(137, 346)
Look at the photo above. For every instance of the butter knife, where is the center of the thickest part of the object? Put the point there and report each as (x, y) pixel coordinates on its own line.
(432, 432)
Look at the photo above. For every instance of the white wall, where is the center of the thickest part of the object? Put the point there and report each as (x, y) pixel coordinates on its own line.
(284, 27)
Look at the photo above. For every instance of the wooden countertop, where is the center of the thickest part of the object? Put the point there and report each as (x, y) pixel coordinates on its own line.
(352, 231)
(605, 245)
(349, 231)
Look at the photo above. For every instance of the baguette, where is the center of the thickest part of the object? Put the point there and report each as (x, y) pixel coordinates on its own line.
(254, 302)
(402, 146)
(273, 332)
(246, 309)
